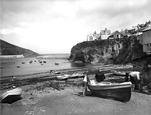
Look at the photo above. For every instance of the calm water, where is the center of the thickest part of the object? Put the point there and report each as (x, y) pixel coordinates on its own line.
(21, 66)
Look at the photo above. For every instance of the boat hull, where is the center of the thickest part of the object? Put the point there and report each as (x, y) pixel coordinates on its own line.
(117, 92)
(61, 77)
(11, 98)
(11, 95)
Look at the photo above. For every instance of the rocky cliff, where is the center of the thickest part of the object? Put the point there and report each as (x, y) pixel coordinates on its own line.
(10, 49)
(116, 51)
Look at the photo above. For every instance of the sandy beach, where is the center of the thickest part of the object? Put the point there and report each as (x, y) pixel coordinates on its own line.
(44, 95)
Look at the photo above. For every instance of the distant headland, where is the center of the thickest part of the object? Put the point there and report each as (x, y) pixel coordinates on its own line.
(8, 50)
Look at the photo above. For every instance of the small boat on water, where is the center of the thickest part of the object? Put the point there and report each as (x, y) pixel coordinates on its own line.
(30, 61)
(56, 63)
(39, 61)
(44, 61)
(117, 91)
(11, 95)
(23, 62)
(18, 66)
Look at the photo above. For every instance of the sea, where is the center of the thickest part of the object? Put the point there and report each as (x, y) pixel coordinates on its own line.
(31, 65)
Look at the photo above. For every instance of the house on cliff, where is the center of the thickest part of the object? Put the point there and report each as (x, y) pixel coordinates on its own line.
(125, 33)
(104, 34)
(93, 36)
(115, 35)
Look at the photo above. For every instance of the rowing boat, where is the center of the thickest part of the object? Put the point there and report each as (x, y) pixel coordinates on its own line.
(117, 91)
(11, 95)
(62, 77)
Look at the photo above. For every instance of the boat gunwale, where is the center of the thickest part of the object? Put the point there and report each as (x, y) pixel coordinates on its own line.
(17, 91)
(92, 87)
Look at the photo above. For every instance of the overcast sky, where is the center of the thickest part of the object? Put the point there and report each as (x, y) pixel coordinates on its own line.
(54, 26)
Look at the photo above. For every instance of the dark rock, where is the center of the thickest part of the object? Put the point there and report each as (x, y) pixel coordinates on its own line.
(108, 51)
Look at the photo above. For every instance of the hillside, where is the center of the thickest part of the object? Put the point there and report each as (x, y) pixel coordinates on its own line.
(10, 49)
(115, 51)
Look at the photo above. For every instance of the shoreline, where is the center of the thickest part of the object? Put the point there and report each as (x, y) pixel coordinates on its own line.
(8, 81)
(103, 67)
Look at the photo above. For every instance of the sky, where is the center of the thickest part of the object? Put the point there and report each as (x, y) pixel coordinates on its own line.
(55, 26)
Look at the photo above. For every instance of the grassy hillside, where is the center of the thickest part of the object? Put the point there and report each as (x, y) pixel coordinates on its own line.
(10, 49)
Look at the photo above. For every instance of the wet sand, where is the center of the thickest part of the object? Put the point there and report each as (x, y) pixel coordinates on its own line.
(43, 95)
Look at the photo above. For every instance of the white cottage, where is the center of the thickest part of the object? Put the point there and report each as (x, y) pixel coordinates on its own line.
(104, 34)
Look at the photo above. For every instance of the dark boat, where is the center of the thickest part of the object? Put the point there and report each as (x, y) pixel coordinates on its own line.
(30, 61)
(117, 91)
(23, 62)
(11, 95)
(44, 61)
(18, 66)
(56, 63)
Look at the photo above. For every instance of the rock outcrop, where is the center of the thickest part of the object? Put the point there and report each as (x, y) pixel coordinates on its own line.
(116, 51)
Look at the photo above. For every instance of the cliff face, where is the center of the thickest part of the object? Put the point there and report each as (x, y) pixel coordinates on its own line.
(107, 51)
(10, 49)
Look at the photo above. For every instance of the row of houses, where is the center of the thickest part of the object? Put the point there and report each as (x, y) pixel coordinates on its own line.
(142, 34)
(104, 34)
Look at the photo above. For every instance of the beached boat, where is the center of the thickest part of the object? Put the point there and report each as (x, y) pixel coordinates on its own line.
(117, 73)
(76, 75)
(11, 95)
(68, 76)
(117, 91)
(62, 77)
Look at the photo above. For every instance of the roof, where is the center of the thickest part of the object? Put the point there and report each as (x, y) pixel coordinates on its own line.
(147, 29)
(116, 32)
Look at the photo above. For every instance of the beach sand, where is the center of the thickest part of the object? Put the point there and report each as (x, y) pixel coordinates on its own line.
(43, 95)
